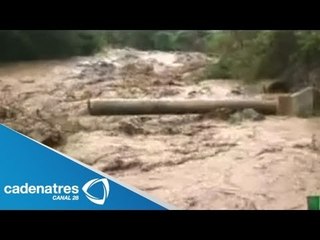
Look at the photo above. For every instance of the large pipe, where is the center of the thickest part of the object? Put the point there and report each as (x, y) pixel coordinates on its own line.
(138, 106)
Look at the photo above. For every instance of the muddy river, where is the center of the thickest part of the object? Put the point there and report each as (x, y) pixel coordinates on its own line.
(188, 161)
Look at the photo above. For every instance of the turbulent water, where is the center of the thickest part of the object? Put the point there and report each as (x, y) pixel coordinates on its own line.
(189, 161)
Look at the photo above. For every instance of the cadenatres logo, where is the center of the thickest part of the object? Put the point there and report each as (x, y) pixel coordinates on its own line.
(90, 184)
(63, 192)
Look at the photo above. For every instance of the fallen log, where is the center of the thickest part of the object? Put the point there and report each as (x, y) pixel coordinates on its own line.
(138, 106)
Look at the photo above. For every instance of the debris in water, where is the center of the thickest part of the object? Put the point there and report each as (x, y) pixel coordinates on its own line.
(246, 114)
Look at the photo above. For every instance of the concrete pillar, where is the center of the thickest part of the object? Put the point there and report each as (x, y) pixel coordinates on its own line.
(298, 104)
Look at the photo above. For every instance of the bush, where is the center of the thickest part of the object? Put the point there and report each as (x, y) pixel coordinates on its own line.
(38, 44)
(184, 40)
(221, 70)
(278, 49)
(252, 55)
(308, 47)
(163, 41)
(168, 40)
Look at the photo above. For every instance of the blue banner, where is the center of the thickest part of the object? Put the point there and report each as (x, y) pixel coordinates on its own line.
(35, 177)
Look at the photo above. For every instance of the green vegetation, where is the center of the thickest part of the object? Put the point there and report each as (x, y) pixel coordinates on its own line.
(254, 55)
(38, 44)
(249, 55)
(46, 44)
(159, 40)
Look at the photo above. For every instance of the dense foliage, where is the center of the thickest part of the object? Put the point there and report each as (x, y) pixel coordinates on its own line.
(255, 55)
(42, 44)
(159, 40)
(250, 55)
